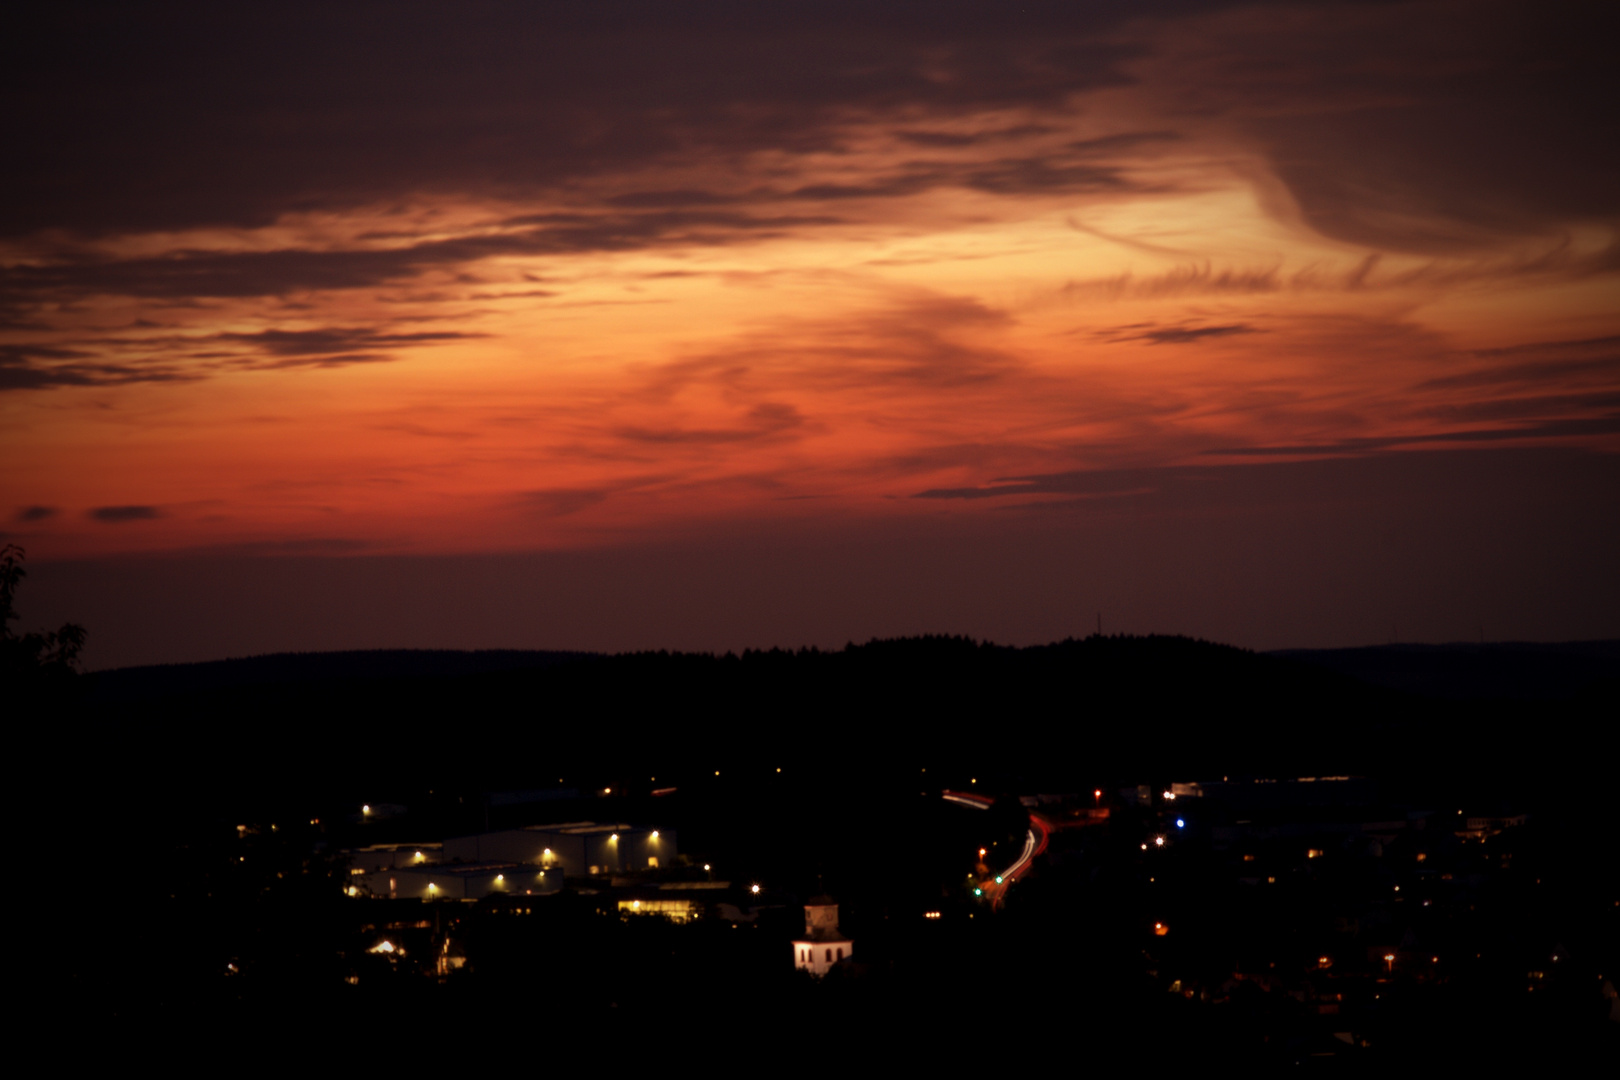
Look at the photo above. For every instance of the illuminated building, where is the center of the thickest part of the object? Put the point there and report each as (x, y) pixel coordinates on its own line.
(390, 856)
(468, 881)
(679, 910)
(578, 847)
(822, 945)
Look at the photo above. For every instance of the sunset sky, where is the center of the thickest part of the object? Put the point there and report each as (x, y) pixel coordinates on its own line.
(617, 326)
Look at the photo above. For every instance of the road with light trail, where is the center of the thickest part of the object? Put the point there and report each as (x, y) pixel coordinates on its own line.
(1035, 840)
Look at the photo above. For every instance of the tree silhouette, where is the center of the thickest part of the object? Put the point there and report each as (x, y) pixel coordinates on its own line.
(32, 659)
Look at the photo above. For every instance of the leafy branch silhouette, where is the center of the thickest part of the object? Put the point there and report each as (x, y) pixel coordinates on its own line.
(35, 657)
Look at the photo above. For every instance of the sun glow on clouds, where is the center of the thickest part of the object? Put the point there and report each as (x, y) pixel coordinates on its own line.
(925, 304)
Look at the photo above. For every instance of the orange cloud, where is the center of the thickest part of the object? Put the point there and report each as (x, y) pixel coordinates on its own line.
(641, 302)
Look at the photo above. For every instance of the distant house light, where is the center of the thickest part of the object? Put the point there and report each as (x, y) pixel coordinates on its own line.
(655, 834)
(1180, 824)
(365, 809)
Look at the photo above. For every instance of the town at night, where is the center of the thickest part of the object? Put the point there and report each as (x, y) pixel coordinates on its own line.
(770, 537)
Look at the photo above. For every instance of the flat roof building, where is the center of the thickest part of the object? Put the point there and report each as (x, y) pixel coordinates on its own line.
(472, 881)
(578, 848)
(386, 856)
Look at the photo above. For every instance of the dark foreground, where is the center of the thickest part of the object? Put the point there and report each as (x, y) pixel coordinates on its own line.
(1456, 903)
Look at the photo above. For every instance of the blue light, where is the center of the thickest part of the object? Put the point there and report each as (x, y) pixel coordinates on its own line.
(1180, 824)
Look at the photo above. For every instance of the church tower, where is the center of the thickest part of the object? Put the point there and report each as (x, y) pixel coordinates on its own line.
(822, 945)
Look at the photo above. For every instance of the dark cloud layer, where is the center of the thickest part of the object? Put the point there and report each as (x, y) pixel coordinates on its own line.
(1177, 335)
(1101, 482)
(769, 420)
(177, 359)
(120, 514)
(1416, 126)
(1551, 429)
(332, 346)
(197, 114)
(1470, 122)
(208, 274)
(40, 367)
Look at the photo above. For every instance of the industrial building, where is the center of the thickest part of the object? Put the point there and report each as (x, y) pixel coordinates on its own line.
(390, 856)
(578, 848)
(472, 881)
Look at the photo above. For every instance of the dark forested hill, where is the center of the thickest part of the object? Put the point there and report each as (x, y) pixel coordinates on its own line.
(1523, 670)
(1100, 707)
